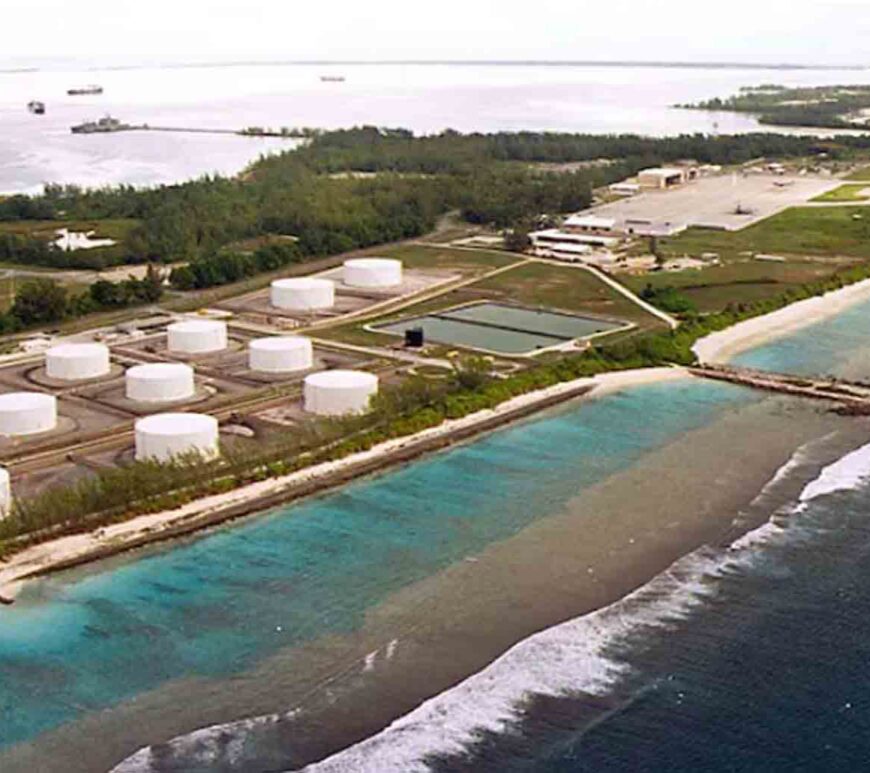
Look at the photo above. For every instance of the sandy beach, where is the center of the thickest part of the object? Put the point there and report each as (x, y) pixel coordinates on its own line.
(721, 346)
(74, 550)
(430, 635)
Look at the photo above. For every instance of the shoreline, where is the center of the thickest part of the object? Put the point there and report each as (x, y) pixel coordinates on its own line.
(79, 549)
(721, 346)
(426, 638)
(105, 542)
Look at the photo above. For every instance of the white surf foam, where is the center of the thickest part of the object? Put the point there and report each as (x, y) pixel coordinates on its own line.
(218, 745)
(843, 475)
(579, 655)
(573, 656)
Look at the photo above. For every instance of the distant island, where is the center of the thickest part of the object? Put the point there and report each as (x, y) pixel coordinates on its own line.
(828, 107)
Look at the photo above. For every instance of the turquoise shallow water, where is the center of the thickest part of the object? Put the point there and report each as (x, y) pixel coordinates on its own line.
(838, 345)
(220, 604)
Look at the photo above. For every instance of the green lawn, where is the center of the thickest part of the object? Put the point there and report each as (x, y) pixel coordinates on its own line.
(860, 174)
(421, 256)
(816, 231)
(741, 281)
(846, 193)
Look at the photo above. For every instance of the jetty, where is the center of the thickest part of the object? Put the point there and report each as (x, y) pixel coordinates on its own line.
(110, 126)
(853, 396)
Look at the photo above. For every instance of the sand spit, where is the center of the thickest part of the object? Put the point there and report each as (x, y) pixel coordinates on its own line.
(722, 346)
(75, 550)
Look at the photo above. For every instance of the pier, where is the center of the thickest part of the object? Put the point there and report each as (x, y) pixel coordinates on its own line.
(853, 397)
(288, 134)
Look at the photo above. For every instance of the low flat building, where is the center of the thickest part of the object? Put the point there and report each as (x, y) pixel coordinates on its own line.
(662, 177)
(624, 189)
(652, 228)
(563, 236)
(587, 223)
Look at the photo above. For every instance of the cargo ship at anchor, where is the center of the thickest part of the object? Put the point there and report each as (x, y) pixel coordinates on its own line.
(81, 90)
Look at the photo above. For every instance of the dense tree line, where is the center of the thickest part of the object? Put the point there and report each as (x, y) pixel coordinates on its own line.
(43, 301)
(360, 187)
(833, 107)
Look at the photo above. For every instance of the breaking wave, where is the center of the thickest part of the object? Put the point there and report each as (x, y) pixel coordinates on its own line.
(579, 656)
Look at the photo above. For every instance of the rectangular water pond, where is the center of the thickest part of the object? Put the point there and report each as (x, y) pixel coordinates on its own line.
(503, 328)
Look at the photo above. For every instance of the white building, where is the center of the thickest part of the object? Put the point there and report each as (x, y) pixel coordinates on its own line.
(662, 177)
(588, 223)
(558, 236)
(625, 189)
(652, 228)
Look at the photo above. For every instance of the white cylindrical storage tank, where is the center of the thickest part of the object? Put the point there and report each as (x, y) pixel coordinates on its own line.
(197, 336)
(167, 435)
(161, 382)
(339, 392)
(5, 492)
(280, 354)
(373, 272)
(74, 362)
(25, 413)
(303, 293)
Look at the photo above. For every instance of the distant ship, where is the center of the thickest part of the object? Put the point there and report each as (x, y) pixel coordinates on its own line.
(80, 90)
(332, 78)
(105, 125)
(36, 107)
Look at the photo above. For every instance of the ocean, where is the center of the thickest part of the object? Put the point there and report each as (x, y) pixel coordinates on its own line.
(35, 150)
(272, 644)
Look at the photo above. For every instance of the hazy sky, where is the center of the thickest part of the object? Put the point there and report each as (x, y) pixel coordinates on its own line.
(803, 31)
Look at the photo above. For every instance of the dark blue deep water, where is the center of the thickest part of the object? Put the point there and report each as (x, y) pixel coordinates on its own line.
(771, 673)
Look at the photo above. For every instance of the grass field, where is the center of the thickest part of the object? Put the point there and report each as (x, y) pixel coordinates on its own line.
(816, 231)
(860, 174)
(746, 280)
(846, 193)
(421, 256)
(533, 284)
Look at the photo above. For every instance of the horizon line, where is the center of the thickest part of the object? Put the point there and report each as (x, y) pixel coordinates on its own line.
(528, 62)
